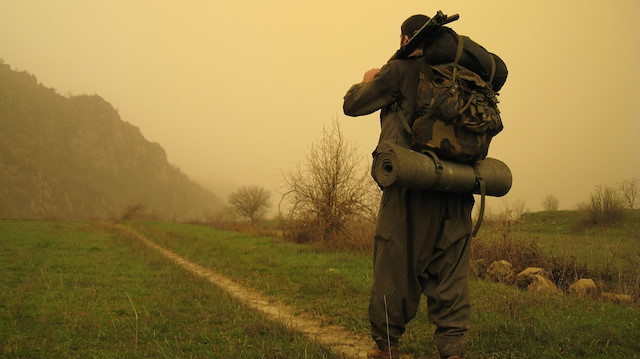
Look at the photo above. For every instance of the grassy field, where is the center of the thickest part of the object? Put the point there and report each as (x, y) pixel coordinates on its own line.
(562, 232)
(80, 290)
(73, 290)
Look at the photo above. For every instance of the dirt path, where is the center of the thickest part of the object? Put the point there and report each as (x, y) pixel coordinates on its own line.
(337, 338)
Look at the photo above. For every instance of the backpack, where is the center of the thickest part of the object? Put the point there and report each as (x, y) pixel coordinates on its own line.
(457, 111)
(440, 48)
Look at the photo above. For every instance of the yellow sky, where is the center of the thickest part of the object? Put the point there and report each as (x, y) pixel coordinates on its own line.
(236, 91)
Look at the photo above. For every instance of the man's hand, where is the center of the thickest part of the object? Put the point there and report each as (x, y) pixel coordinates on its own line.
(368, 76)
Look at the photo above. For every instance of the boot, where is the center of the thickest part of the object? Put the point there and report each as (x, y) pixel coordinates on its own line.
(376, 353)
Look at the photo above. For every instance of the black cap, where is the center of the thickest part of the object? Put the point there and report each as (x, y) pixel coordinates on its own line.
(413, 24)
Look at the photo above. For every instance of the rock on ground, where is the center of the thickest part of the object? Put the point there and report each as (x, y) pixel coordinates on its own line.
(501, 271)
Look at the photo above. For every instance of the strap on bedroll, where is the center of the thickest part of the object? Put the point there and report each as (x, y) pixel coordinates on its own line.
(479, 182)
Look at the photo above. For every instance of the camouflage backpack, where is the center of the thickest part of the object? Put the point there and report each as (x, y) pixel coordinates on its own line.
(457, 111)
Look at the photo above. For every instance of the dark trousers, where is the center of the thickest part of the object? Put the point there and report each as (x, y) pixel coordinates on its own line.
(422, 246)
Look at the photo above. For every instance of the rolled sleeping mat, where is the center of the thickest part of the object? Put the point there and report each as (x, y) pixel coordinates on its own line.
(396, 165)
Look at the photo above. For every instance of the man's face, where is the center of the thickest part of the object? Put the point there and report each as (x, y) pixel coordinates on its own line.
(404, 39)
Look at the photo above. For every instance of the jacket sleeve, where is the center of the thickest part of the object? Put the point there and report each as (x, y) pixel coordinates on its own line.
(368, 97)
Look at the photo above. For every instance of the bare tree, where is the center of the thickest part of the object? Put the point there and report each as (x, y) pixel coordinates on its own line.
(629, 191)
(605, 206)
(550, 203)
(331, 188)
(251, 202)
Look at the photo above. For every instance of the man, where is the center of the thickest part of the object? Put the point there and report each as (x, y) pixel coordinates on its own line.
(422, 239)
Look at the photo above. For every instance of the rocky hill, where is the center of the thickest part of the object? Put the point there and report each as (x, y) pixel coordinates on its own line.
(74, 158)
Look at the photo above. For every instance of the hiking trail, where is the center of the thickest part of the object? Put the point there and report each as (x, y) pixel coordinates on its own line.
(335, 337)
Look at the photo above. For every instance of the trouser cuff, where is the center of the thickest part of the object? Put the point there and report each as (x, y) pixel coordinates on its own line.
(450, 346)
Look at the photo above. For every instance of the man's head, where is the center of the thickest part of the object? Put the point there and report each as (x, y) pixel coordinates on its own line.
(410, 26)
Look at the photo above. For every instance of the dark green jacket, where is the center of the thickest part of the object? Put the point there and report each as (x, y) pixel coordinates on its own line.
(422, 238)
(395, 86)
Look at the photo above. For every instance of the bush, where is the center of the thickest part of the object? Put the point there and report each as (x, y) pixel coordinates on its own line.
(251, 202)
(355, 235)
(629, 190)
(550, 203)
(605, 207)
(132, 211)
(501, 242)
(328, 192)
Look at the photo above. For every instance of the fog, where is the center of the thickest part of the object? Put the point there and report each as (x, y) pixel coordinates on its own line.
(235, 92)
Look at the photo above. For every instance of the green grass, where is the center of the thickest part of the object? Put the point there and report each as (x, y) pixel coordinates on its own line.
(560, 233)
(72, 290)
(506, 323)
(509, 323)
(66, 289)
(330, 284)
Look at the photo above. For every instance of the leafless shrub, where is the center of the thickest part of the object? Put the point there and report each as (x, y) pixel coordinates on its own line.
(329, 191)
(629, 190)
(502, 221)
(518, 208)
(550, 203)
(509, 211)
(251, 202)
(566, 269)
(629, 277)
(605, 207)
(131, 212)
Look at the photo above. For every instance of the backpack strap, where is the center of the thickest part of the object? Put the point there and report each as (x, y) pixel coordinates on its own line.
(493, 71)
(436, 161)
(481, 183)
(427, 72)
(459, 49)
(403, 119)
(458, 56)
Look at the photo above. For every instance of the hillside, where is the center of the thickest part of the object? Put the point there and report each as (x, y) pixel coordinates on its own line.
(74, 158)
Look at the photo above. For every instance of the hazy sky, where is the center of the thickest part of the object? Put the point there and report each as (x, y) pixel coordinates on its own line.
(235, 91)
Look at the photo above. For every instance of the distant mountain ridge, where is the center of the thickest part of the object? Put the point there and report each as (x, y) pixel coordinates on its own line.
(74, 158)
